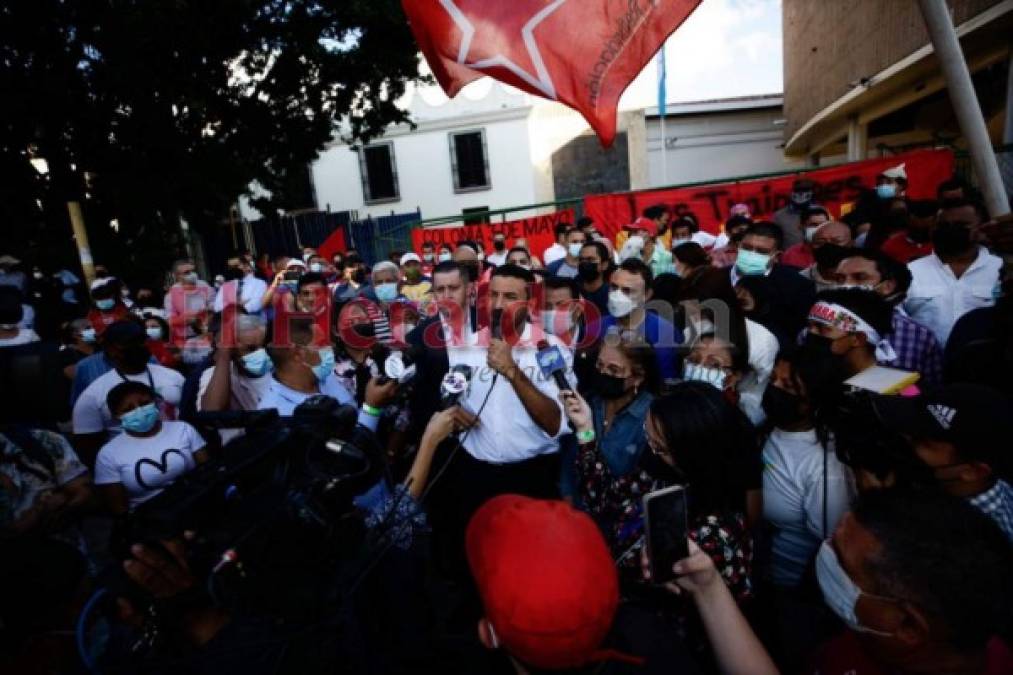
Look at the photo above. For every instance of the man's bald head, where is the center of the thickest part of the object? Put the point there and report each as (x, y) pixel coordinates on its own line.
(833, 233)
(465, 254)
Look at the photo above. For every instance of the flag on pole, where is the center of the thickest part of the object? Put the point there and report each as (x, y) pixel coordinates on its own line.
(583, 53)
(662, 82)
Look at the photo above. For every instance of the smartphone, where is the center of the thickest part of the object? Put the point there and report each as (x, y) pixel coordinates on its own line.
(665, 523)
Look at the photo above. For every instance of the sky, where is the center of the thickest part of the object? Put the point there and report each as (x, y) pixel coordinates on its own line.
(725, 48)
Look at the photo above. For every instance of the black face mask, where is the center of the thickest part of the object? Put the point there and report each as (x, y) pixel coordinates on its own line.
(918, 235)
(135, 357)
(951, 239)
(588, 271)
(819, 345)
(233, 274)
(608, 386)
(499, 245)
(359, 276)
(782, 407)
(364, 330)
(828, 255)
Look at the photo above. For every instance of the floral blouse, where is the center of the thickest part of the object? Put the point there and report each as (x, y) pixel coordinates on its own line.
(616, 504)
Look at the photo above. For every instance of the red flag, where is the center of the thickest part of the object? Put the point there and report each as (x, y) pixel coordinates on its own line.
(583, 53)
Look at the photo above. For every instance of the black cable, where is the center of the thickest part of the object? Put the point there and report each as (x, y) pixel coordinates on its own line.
(418, 504)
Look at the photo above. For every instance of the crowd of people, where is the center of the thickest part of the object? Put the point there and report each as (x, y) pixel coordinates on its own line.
(831, 389)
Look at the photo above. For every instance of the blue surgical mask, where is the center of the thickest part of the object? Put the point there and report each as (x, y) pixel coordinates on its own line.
(323, 369)
(694, 372)
(257, 363)
(317, 268)
(154, 332)
(445, 256)
(105, 304)
(88, 335)
(386, 292)
(751, 263)
(574, 250)
(886, 191)
(140, 420)
(839, 591)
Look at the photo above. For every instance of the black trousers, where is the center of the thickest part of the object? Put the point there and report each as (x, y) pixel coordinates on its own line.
(467, 484)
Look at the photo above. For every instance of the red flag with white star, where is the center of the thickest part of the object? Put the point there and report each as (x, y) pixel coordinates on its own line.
(583, 53)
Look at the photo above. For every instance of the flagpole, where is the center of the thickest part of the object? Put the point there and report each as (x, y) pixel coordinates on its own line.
(662, 112)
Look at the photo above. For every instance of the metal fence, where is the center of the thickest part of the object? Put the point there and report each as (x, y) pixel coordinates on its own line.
(375, 238)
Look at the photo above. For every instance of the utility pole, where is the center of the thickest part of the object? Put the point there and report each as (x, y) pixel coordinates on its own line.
(81, 239)
(965, 104)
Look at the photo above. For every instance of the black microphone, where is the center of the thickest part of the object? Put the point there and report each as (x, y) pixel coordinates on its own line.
(552, 364)
(233, 419)
(497, 324)
(455, 385)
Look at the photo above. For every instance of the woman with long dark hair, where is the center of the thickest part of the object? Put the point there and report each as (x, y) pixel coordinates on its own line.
(695, 438)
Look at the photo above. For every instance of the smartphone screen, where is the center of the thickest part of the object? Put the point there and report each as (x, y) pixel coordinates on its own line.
(665, 522)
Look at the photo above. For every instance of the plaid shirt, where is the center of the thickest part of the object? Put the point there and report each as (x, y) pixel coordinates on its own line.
(917, 350)
(997, 504)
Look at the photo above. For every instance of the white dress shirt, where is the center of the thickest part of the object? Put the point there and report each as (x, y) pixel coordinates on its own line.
(506, 433)
(553, 253)
(937, 298)
(250, 291)
(763, 348)
(497, 259)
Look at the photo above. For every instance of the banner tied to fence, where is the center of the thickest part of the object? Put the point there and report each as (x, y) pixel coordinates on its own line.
(536, 231)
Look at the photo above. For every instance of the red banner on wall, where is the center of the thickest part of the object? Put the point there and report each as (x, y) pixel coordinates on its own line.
(537, 230)
(711, 204)
(334, 243)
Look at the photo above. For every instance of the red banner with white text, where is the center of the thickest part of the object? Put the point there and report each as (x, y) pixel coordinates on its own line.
(537, 231)
(834, 187)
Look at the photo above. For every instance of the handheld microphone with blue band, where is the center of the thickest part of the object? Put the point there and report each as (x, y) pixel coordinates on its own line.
(552, 364)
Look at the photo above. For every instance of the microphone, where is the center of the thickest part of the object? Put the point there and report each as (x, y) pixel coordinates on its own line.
(455, 385)
(233, 419)
(552, 364)
(400, 366)
(497, 324)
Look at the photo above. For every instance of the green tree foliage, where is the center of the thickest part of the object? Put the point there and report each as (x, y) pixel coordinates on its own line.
(149, 110)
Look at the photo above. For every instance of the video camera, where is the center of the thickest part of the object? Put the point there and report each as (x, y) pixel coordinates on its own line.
(273, 510)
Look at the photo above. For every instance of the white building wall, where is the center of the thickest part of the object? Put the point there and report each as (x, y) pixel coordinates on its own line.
(716, 144)
(425, 177)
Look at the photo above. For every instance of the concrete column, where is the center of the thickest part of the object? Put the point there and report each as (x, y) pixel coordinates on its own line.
(965, 104)
(1007, 136)
(858, 140)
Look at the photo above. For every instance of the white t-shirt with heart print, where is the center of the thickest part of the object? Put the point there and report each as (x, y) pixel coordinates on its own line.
(146, 466)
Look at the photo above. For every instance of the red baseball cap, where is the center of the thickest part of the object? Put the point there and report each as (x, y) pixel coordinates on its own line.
(546, 578)
(643, 224)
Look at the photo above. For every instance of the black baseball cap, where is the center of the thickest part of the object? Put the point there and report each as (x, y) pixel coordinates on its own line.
(976, 419)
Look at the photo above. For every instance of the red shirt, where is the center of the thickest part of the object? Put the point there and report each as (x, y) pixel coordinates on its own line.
(903, 250)
(800, 255)
(845, 655)
(100, 320)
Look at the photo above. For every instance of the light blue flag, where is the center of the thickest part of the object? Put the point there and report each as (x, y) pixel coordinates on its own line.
(662, 82)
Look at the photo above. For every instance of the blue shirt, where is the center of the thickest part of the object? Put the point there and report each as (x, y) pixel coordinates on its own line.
(660, 334)
(89, 369)
(625, 439)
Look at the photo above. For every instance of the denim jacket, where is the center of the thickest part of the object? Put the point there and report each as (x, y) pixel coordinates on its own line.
(622, 443)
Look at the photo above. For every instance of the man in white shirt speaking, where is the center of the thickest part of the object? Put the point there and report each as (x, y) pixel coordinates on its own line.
(511, 416)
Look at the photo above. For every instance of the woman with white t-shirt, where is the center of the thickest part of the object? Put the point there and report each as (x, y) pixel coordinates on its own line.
(148, 456)
(806, 491)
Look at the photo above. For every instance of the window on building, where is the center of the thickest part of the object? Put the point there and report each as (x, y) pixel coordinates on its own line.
(469, 161)
(478, 215)
(379, 173)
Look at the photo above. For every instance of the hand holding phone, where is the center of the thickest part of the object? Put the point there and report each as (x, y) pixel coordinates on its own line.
(666, 527)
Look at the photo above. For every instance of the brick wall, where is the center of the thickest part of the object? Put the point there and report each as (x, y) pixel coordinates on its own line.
(829, 44)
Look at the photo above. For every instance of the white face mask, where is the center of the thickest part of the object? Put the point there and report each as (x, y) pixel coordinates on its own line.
(620, 304)
(694, 372)
(839, 591)
(574, 250)
(556, 322)
(810, 232)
